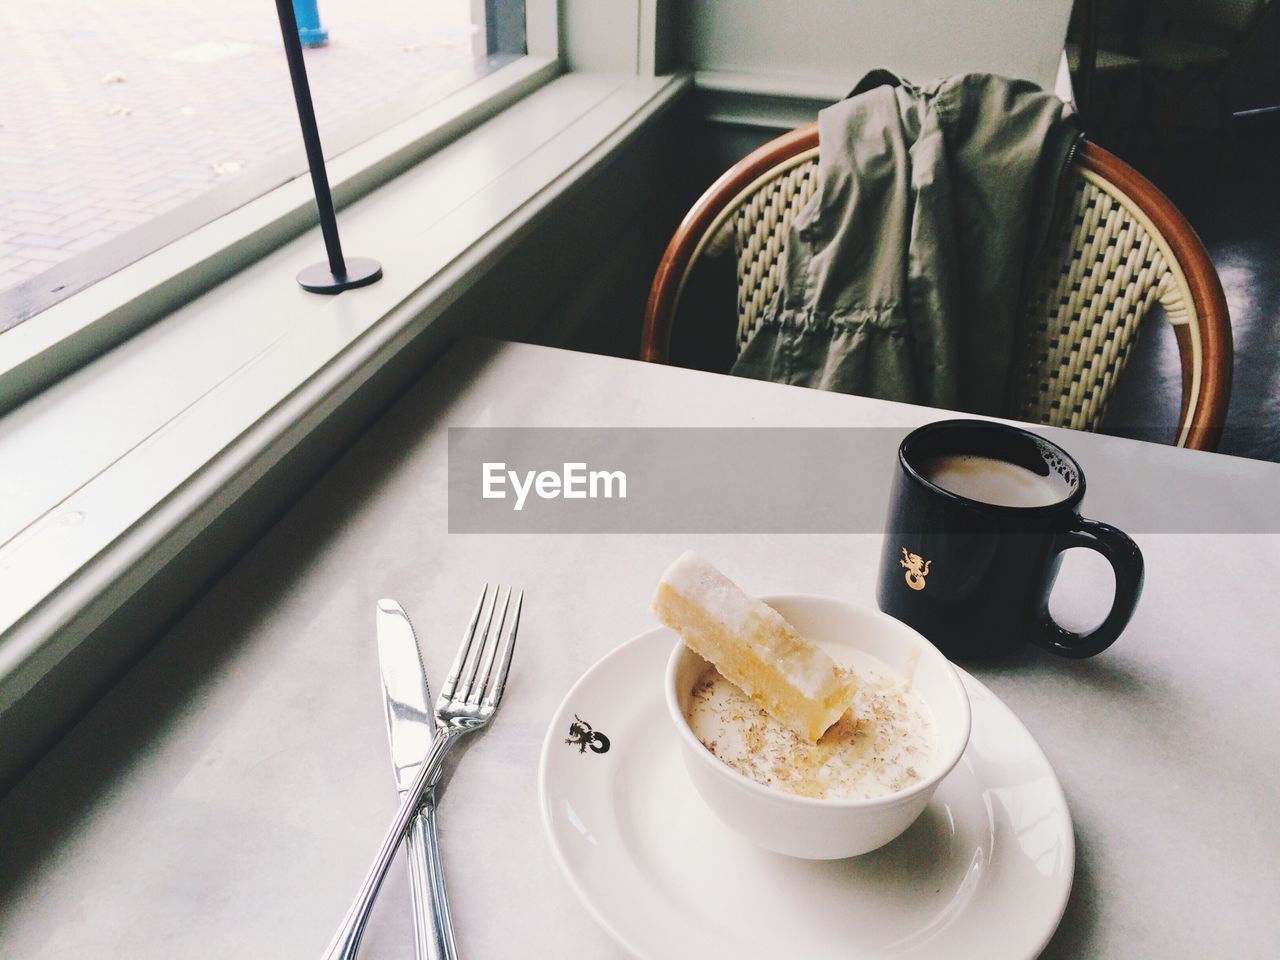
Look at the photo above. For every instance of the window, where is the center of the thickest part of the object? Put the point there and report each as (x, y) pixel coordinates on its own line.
(129, 124)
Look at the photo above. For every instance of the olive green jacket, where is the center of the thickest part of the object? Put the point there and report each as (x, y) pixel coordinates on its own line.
(903, 276)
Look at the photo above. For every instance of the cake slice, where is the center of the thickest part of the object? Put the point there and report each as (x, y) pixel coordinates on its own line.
(753, 647)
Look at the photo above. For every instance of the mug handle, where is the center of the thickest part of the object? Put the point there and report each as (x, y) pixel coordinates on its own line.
(1126, 562)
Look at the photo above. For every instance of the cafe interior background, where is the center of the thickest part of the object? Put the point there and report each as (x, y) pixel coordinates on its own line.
(518, 168)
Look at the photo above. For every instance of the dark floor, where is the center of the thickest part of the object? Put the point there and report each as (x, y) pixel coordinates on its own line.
(1228, 187)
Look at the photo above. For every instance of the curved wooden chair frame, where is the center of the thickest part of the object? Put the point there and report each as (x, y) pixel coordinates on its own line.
(1190, 290)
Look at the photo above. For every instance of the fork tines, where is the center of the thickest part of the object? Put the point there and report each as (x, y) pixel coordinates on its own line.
(472, 673)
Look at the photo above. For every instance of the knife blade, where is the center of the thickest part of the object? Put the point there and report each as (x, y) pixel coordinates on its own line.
(411, 721)
(411, 725)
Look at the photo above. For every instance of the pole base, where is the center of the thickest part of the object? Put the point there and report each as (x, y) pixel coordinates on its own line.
(313, 36)
(360, 272)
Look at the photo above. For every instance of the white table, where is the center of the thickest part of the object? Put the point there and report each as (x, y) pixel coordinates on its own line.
(225, 799)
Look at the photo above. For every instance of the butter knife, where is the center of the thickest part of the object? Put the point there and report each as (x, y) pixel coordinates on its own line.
(410, 728)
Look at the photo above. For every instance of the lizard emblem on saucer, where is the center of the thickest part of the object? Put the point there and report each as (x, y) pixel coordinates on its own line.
(582, 736)
(917, 569)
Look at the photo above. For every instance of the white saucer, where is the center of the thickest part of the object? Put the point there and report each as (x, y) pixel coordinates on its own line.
(984, 873)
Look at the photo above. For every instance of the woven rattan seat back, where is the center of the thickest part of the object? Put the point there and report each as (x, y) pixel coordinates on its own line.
(760, 227)
(1119, 247)
(1087, 299)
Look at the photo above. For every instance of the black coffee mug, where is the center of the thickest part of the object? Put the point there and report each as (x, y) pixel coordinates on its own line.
(974, 576)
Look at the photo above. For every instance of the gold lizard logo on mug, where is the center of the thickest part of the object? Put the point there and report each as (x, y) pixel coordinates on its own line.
(917, 569)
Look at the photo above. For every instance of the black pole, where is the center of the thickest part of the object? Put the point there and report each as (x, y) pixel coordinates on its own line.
(339, 273)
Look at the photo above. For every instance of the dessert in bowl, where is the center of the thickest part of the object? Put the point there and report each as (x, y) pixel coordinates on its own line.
(815, 727)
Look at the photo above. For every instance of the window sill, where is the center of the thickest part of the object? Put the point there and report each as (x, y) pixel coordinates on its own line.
(113, 470)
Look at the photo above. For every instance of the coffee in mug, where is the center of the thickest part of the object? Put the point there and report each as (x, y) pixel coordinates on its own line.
(993, 481)
(979, 516)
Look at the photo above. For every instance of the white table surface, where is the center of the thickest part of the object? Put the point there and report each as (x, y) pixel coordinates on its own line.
(225, 799)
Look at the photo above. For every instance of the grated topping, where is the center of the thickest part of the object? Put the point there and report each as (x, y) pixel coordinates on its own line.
(883, 744)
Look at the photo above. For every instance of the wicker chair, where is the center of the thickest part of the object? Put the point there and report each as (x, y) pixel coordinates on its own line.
(1125, 248)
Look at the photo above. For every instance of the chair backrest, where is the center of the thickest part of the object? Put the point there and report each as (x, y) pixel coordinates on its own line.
(1120, 247)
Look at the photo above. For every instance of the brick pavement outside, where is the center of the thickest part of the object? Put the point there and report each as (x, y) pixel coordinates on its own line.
(115, 111)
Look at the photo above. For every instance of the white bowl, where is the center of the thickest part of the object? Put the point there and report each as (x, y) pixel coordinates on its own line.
(821, 829)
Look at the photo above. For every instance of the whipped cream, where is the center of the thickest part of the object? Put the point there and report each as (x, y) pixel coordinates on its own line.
(885, 743)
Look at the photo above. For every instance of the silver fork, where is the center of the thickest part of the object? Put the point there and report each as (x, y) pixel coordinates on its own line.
(464, 706)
